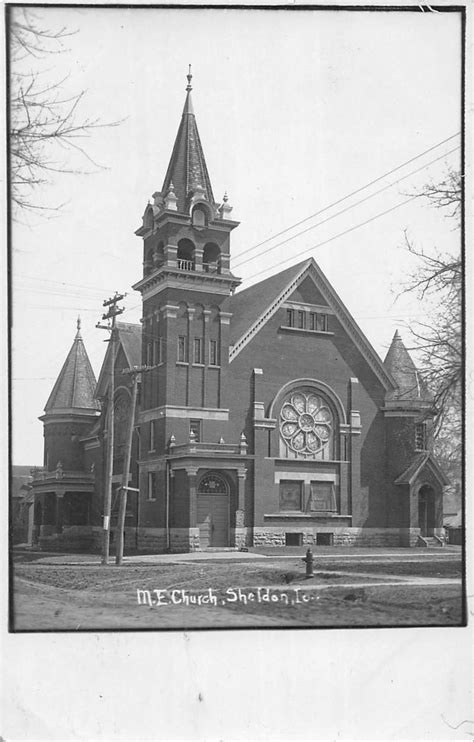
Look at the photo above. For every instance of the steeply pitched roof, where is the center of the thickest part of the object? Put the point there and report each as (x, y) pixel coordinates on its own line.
(399, 364)
(75, 386)
(252, 308)
(129, 338)
(419, 462)
(248, 305)
(187, 168)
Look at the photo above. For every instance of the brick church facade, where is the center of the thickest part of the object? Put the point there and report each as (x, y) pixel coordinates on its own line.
(266, 419)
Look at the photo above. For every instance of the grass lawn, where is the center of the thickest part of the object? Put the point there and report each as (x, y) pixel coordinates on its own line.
(273, 593)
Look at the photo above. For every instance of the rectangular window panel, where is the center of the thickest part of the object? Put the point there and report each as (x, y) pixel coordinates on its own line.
(197, 350)
(182, 349)
(290, 317)
(420, 436)
(313, 321)
(151, 485)
(290, 495)
(149, 354)
(301, 319)
(322, 322)
(322, 497)
(213, 359)
(157, 351)
(195, 427)
(152, 435)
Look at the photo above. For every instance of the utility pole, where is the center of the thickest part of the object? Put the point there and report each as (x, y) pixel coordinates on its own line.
(135, 374)
(110, 315)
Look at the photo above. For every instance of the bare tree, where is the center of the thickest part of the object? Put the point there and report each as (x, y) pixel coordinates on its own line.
(45, 125)
(438, 279)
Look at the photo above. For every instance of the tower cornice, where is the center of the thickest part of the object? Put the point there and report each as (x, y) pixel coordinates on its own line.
(166, 277)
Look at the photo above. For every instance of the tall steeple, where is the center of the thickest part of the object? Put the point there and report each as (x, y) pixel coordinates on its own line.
(75, 386)
(187, 174)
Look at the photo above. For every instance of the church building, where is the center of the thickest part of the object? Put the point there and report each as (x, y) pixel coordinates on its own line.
(265, 417)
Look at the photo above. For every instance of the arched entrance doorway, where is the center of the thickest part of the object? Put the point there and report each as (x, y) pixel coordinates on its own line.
(426, 510)
(213, 510)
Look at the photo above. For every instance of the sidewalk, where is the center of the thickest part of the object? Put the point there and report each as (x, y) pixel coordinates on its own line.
(286, 553)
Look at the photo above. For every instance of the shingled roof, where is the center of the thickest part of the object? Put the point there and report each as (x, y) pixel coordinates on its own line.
(130, 336)
(129, 339)
(187, 169)
(399, 364)
(249, 304)
(75, 386)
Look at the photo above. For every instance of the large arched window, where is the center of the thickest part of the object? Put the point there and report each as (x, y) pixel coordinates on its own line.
(122, 409)
(306, 425)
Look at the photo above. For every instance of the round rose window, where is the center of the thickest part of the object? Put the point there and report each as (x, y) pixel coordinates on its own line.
(305, 423)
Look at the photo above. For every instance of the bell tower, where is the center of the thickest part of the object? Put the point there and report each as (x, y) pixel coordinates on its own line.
(185, 290)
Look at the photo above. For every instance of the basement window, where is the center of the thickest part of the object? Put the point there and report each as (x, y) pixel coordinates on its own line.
(293, 539)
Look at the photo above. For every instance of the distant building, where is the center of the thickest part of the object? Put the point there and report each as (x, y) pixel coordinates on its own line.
(267, 419)
(22, 500)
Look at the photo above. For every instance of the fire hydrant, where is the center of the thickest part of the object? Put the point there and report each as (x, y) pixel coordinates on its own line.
(308, 559)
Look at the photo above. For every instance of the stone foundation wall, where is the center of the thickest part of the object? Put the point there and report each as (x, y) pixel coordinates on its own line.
(72, 539)
(342, 536)
(152, 540)
(241, 537)
(184, 539)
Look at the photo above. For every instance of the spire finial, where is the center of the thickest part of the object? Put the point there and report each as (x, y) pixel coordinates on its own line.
(189, 87)
(78, 323)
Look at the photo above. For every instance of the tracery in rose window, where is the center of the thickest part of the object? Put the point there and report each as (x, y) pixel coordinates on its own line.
(306, 425)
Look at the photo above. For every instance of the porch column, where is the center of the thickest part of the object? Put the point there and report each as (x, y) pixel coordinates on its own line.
(191, 471)
(59, 511)
(240, 514)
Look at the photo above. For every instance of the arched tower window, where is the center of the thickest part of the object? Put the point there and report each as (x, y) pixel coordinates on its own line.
(185, 255)
(307, 425)
(199, 217)
(211, 258)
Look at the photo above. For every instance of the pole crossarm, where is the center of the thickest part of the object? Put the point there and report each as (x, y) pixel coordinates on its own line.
(111, 314)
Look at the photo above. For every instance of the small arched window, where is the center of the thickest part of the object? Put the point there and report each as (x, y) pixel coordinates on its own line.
(199, 217)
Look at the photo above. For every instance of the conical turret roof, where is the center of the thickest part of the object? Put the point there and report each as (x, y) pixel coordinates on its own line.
(187, 170)
(75, 386)
(399, 364)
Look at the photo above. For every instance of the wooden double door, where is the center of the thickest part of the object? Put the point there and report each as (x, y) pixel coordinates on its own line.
(213, 520)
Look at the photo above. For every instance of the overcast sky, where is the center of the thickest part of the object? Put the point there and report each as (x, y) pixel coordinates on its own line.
(295, 110)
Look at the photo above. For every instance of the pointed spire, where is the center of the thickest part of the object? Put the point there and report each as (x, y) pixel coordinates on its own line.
(399, 364)
(187, 169)
(75, 386)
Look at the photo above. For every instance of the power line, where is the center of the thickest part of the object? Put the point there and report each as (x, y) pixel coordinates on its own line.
(62, 283)
(347, 208)
(353, 193)
(341, 234)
